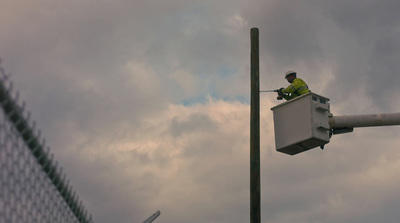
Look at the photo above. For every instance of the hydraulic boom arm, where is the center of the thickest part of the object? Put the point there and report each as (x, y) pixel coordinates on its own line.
(353, 121)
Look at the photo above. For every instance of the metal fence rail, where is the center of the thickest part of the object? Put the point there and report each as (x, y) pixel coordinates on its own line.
(32, 186)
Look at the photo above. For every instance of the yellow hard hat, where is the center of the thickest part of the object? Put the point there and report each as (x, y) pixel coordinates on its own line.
(289, 72)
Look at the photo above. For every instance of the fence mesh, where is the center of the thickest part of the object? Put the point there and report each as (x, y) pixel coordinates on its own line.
(32, 186)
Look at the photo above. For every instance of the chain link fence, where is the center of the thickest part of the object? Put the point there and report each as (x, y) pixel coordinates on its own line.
(32, 186)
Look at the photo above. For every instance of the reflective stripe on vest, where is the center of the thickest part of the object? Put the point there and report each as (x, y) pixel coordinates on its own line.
(297, 92)
(302, 88)
(294, 89)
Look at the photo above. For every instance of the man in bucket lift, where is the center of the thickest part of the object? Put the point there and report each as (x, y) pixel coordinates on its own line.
(296, 88)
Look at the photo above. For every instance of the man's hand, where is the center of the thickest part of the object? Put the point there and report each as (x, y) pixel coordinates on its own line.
(280, 93)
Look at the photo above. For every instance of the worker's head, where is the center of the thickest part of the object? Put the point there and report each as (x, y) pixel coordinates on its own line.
(290, 75)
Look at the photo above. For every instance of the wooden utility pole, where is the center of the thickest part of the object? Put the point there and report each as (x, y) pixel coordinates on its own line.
(255, 205)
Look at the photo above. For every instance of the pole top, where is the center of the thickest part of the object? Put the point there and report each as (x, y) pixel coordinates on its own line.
(254, 30)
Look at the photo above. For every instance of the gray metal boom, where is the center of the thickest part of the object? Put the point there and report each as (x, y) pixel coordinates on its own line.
(364, 120)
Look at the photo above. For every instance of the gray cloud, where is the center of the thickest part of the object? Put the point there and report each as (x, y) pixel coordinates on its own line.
(354, 41)
(139, 102)
(195, 122)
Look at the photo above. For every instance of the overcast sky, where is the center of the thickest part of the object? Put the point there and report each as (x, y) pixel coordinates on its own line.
(145, 104)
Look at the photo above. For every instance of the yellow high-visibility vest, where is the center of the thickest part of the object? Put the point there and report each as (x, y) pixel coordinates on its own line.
(296, 88)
